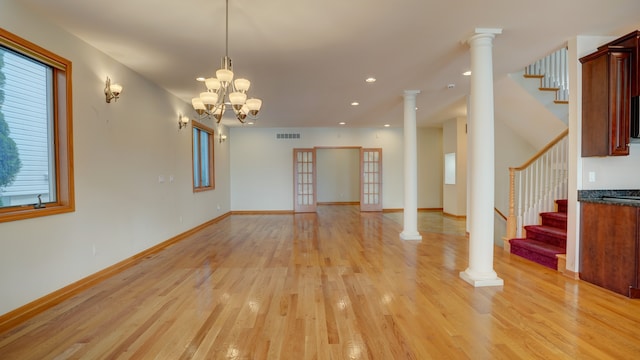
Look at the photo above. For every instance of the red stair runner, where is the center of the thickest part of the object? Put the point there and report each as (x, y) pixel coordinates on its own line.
(544, 241)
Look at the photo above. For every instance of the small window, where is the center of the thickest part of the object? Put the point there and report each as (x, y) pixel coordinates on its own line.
(36, 156)
(203, 177)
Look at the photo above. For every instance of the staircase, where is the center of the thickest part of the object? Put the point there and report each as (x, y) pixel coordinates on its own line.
(542, 243)
(548, 82)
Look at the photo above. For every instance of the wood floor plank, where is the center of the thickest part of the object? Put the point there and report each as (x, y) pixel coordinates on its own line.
(338, 284)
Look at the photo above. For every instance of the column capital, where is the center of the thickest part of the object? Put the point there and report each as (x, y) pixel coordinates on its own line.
(484, 33)
(494, 31)
(411, 92)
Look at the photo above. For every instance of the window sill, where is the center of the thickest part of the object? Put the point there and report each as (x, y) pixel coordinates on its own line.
(29, 212)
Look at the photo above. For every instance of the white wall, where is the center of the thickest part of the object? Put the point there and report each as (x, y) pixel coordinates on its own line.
(455, 141)
(338, 175)
(262, 167)
(613, 172)
(430, 168)
(511, 150)
(120, 150)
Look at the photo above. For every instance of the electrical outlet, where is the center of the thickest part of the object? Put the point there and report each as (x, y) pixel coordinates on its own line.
(592, 176)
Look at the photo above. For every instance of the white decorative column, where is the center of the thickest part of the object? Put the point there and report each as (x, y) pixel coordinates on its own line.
(410, 231)
(482, 165)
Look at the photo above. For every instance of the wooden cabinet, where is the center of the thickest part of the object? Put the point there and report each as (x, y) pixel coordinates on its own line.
(630, 41)
(609, 247)
(606, 102)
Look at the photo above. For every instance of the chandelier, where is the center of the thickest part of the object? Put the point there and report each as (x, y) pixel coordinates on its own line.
(223, 92)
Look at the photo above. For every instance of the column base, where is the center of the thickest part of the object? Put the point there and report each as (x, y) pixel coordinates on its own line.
(481, 281)
(410, 236)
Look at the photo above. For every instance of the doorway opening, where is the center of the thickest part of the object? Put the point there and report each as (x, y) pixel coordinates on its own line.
(335, 175)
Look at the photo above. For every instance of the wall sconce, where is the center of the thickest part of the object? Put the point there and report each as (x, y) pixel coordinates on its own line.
(183, 121)
(222, 138)
(112, 91)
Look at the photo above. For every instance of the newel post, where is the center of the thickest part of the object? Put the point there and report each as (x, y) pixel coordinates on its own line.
(511, 218)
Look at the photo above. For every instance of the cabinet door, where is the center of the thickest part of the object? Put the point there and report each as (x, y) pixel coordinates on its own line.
(619, 102)
(606, 102)
(608, 250)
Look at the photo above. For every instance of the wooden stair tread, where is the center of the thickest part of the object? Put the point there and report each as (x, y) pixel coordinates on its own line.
(550, 230)
(555, 214)
(538, 247)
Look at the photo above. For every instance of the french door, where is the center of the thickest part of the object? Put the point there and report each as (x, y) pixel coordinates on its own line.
(304, 180)
(370, 179)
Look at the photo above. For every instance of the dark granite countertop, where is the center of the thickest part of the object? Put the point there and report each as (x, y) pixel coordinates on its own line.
(611, 197)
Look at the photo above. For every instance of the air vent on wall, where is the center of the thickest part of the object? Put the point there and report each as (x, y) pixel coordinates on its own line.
(287, 136)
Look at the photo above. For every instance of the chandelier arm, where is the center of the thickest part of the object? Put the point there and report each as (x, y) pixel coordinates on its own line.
(221, 96)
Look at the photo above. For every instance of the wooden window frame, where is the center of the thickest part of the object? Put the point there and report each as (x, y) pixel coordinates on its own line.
(212, 183)
(62, 130)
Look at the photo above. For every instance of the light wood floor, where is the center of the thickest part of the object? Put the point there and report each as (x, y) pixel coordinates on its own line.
(336, 285)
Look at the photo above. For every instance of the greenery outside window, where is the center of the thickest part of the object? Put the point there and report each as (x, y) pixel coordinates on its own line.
(203, 176)
(36, 150)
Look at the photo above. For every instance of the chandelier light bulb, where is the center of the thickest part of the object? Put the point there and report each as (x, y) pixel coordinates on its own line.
(212, 83)
(197, 103)
(209, 99)
(242, 84)
(254, 104)
(224, 75)
(237, 98)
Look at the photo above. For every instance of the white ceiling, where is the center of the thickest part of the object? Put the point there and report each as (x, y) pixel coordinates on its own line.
(308, 59)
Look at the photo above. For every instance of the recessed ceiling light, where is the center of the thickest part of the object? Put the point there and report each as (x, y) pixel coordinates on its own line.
(370, 79)
(250, 123)
(355, 103)
(200, 78)
(342, 123)
(467, 73)
(387, 125)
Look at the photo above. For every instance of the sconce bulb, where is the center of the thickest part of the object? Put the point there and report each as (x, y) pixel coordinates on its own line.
(116, 89)
(183, 121)
(112, 92)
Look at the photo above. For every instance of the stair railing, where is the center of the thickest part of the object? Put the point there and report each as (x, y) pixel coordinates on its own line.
(554, 72)
(534, 186)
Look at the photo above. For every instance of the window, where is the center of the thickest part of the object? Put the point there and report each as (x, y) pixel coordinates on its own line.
(202, 157)
(36, 150)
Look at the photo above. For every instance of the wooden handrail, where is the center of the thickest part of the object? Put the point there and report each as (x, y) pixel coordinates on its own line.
(511, 219)
(500, 213)
(542, 151)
